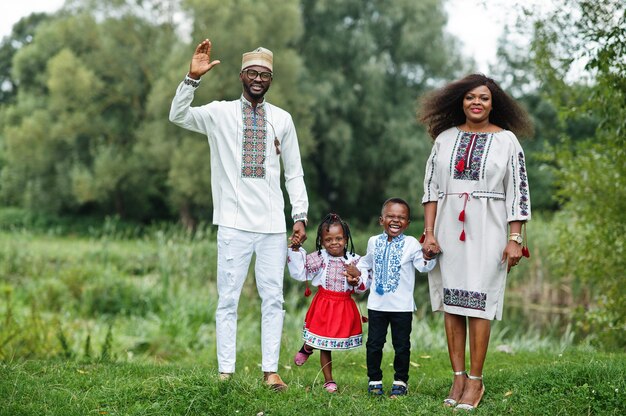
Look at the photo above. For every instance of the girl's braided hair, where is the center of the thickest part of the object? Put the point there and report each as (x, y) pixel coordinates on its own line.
(329, 220)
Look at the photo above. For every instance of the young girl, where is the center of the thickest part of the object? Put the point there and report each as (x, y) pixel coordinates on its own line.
(333, 321)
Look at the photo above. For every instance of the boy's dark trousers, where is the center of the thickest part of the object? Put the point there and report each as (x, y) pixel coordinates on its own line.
(400, 323)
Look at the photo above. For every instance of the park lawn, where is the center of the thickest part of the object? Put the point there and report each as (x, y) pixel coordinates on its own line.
(572, 382)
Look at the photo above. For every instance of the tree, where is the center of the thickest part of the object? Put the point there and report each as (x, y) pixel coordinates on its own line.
(591, 174)
(83, 84)
(21, 35)
(181, 158)
(367, 62)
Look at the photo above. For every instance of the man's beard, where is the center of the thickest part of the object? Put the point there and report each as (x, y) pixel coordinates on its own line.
(252, 94)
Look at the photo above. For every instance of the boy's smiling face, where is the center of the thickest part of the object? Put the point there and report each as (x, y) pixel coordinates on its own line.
(394, 219)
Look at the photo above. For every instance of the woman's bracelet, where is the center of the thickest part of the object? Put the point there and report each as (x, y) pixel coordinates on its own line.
(426, 229)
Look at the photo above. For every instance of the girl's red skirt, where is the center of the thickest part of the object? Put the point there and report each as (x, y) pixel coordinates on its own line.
(333, 321)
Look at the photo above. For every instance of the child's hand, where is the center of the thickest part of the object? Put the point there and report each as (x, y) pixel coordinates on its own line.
(352, 281)
(295, 247)
(352, 274)
(431, 252)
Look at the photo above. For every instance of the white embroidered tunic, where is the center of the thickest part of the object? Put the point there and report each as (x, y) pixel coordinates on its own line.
(245, 166)
(322, 269)
(484, 176)
(390, 269)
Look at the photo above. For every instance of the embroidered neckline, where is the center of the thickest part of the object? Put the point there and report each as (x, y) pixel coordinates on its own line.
(479, 132)
(247, 103)
(394, 239)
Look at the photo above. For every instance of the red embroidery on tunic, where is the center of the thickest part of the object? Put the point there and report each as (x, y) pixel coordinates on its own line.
(335, 280)
(314, 262)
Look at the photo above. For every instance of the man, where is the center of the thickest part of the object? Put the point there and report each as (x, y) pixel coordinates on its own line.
(248, 138)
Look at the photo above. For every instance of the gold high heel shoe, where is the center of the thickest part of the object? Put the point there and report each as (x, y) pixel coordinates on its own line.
(450, 402)
(467, 406)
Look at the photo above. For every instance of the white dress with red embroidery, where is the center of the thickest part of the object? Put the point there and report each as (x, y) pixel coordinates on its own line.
(480, 184)
(333, 321)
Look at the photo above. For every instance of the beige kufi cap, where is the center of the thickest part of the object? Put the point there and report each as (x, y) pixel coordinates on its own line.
(259, 56)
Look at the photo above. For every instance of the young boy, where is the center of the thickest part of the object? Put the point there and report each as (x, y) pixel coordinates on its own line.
(389, 266)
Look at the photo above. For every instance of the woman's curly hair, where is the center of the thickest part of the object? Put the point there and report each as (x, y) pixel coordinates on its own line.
(442, 109)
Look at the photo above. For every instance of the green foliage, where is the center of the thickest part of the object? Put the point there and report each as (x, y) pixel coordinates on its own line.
(21, 35)
(107, 354)
(116, 296)
(70, 140)
(367, 62)
(591, 174)
(67, 352)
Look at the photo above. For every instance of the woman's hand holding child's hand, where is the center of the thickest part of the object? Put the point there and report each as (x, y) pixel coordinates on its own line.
(431, 252)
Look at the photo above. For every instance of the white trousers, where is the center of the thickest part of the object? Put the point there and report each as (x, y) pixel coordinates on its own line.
(234, 252)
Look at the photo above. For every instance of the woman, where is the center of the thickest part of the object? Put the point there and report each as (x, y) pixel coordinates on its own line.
(475, 188)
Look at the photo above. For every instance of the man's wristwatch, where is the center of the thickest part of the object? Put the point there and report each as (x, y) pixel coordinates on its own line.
(516, 237)
(303, 221)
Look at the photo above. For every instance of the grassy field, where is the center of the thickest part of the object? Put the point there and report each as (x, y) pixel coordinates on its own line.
(113, 320)
(573, 382)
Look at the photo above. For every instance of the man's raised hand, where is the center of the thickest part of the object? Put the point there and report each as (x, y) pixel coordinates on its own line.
(201, 61)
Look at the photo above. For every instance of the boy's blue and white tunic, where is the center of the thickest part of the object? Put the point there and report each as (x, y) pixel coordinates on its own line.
(492, 190)
(390, 267)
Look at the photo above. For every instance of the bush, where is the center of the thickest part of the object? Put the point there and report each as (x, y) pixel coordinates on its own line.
(118, 296)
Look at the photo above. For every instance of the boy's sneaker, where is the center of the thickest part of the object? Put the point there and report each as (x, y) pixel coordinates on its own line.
(398, 389)
(375, 388)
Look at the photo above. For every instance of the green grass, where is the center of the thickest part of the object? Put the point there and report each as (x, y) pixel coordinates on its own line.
(574, 382)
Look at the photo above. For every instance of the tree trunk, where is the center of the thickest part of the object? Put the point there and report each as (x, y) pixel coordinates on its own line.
(187, 218)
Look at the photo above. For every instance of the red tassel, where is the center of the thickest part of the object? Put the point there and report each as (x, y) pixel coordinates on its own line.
(460, 167)
(462, 236)
(364, 319)
(307, 292)
(525, 252)
(462, 216)
(422, 238)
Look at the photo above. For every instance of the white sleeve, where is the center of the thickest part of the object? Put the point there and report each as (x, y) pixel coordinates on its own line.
(516, 184)
(361, 287)
(183, 115)
(365, 266)
(296, 261)
(294, 175)
(422, 265)
(431, 186)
